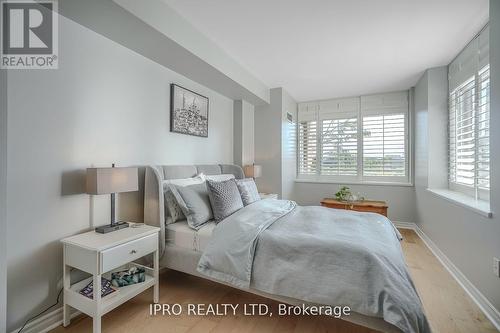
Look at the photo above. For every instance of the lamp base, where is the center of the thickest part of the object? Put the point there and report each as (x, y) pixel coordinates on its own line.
(104, 229)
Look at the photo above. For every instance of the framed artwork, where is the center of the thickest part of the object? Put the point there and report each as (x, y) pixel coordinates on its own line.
(188, 112)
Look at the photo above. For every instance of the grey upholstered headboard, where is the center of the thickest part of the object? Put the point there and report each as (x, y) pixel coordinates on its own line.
(154, 208)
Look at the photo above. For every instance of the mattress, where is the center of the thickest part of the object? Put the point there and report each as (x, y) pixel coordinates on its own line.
(182, 235)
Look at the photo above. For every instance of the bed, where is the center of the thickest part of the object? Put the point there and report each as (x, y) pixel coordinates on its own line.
(206, 253)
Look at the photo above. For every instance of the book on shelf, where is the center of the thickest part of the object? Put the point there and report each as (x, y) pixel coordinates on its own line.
(106, 289)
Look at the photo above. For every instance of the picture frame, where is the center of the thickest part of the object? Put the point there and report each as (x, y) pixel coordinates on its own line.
(188, 111)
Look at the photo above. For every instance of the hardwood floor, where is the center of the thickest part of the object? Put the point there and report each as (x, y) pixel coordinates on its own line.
(447, 306)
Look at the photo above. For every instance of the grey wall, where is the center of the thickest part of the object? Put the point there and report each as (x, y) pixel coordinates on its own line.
(288, 147)
(274, 144)
(237, 132)
(268, 121)
(104, 104)
(248, 134)
(431, 135)
(438, 113)
(468, 239)
(243, 129)
(421, 93)
(400, 199)
(3, 198)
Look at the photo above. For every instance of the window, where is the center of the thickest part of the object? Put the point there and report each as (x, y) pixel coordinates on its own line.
(469, 118)
(384, 151)
(339, 146)
(469, 162)
(462, 135)
(360, 139)
(307, 147)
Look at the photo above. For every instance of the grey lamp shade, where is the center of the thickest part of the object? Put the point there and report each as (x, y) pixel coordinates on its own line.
(112, 180)
(254, 171)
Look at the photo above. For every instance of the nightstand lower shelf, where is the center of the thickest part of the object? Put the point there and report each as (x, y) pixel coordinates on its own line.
(86, 305)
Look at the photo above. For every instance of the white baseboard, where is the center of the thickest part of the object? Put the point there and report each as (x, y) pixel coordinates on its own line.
(55, 318)
(482, 302)
(404, 225)
(47, 322)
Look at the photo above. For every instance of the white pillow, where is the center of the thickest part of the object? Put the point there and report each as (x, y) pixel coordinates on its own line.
(172, 208)
(218, 178)
(185, 181)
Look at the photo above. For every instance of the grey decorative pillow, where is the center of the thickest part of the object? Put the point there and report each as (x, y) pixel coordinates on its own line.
(225, 198)
(174, 210)
(248, 190)
(194, 202)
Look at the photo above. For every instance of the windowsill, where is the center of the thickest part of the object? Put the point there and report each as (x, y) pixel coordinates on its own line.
(478, 206)
(316, 181)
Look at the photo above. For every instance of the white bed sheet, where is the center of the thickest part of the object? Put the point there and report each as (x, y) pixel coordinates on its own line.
(182, 235)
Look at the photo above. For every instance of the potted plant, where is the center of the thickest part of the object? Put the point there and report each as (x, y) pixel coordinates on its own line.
(344, 194)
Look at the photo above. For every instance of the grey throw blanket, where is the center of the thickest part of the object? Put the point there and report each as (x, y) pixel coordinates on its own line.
(320, 255)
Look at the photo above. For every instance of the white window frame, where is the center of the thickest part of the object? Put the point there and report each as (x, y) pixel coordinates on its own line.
(358, 107)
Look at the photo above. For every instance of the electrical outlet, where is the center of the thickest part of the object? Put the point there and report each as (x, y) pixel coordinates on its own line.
(496, 267)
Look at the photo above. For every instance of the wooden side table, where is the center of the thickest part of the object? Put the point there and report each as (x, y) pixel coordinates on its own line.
(379, 207)
(99, 254)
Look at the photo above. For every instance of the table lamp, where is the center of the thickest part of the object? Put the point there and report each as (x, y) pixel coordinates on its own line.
(111, 181)
(253, 171)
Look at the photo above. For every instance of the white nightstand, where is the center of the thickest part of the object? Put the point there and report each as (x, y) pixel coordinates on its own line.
(268, 195)
(99, 254)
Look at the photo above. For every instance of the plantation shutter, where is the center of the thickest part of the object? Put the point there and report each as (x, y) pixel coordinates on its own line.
(339, 137)
(384, 145)
(339, 151)
(469, 119)
(462, 134)
(483, 129)
(354, 139)
(307, 140)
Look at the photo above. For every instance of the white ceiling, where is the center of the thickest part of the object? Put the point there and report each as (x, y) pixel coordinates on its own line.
(318, 49)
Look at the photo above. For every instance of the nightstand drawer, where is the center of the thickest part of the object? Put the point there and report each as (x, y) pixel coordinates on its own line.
(122, 254)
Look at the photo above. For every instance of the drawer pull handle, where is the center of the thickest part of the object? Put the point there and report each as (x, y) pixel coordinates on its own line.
(133, 252)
